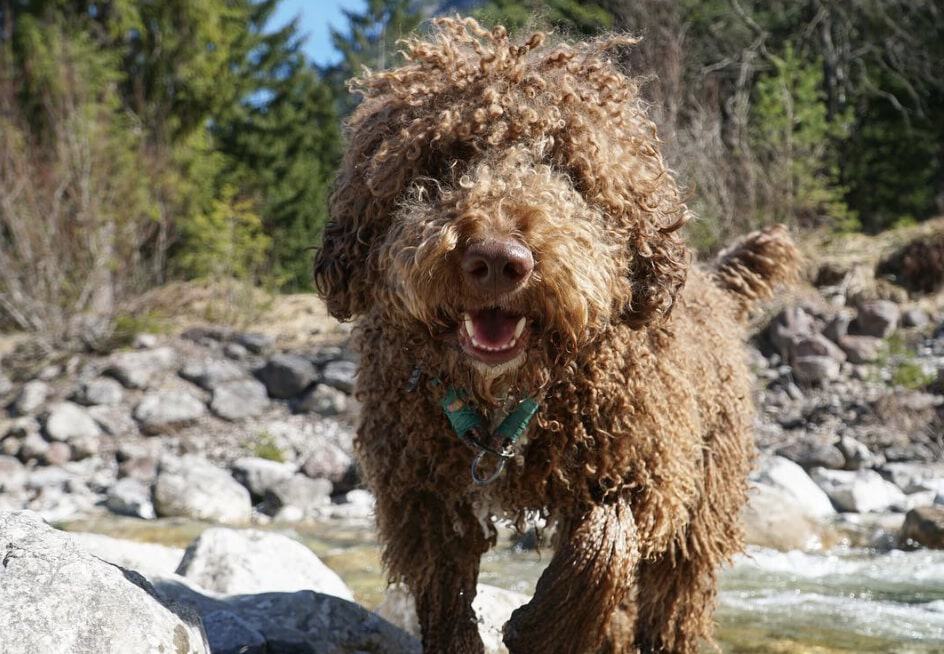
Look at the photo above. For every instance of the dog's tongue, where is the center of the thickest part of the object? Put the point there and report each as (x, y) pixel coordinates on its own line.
(494, 327)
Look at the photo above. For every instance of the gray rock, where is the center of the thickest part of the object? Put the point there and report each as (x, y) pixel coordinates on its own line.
(340, 375)
(103, 390)
(130, 497)
(13, 474)
(323, 400)
(329, 462)
(791, 479)
(57, 598)
(210, 373)
(115, 420)
(787, 328)
(193, 487)
(235, 351)
(818, 345)
(232, 562)
(812, 454)
(67, 422)
(860, 491)
(287, 375)
(21, 427)
(878, 318)
(9, 446)
(237, 400)
(861, 349)
(838, 326)
(915, 317)
(259, 475)
(308, 495)
(140, 369)
(815, 370)
(228, 633)
(924, 526)
(141, 467)
(493, 607)
(303, 622)
(357, 504)
(255, 343)
(160, 411)
(31, 397)
(857, 455)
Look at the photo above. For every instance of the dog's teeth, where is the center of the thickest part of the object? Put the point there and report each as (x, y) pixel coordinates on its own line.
(519, 328)
(469, 326)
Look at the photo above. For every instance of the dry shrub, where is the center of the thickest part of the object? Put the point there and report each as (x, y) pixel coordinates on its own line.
(918, 265)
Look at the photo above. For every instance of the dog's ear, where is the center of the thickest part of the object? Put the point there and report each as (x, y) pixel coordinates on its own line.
(376, 168)
(658, 266)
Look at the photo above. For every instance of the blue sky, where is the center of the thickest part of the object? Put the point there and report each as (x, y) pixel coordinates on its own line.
(316, 18)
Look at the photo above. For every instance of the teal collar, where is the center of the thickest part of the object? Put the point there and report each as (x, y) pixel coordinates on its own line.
(472, 429)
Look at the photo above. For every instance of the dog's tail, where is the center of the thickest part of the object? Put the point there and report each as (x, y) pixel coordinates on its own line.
(753, 267)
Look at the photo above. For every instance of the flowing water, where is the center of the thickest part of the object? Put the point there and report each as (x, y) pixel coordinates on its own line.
(848, 601)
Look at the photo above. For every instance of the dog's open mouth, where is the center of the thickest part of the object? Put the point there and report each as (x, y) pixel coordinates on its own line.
(493, 336)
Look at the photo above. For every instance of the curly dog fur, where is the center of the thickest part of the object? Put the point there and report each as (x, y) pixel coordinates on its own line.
(642, 443)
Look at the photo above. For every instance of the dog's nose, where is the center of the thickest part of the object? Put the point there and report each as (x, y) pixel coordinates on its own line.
(497, 265)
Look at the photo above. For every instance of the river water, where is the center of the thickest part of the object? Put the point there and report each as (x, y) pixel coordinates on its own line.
(845, 601)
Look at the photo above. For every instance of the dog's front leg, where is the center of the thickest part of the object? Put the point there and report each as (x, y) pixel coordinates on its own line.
(436, 549)
(590, 574)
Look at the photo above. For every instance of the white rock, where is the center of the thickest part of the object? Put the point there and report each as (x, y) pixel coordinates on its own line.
(860, 490)
(233, 562)
(56, 598)
(140, 369)
(150, 559)
(259, 475)
(493, 607)
(163, 410)
(67, 422)
(130, 497)
(193, 487)
(787, 476)
(238, 400)
(31, 397)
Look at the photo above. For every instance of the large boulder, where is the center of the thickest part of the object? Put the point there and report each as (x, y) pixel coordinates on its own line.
(140, 369)
(161, 411)
(57, 598)
(859, 491)
(340, 374)
(287, 375)
(150, 559)
(772, 518)
(240, 399)
(304, 622)
(493, 607)
(925, 526)
(234, 562)
(792, 480)
(298, 497)
(193, 487)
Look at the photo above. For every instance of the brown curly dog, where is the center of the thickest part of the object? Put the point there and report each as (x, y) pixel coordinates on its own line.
(506, 236)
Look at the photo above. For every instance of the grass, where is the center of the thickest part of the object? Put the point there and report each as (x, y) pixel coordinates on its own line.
(906, 372)
(265, 447)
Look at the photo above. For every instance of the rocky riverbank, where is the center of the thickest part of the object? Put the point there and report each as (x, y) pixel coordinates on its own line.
(238, 428)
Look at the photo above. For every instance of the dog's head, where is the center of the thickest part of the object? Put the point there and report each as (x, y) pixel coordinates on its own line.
(508, 202)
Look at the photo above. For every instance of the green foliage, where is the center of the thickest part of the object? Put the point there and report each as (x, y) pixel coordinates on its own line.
(910, 375)
(572, 17)
(898, 355)
(796, 141)
(226, 242)
(265, 447)
(370, 41)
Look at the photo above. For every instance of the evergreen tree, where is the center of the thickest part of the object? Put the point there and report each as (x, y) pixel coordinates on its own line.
(282, 142)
